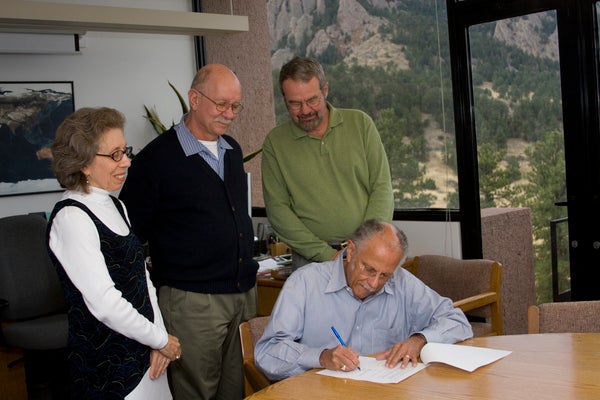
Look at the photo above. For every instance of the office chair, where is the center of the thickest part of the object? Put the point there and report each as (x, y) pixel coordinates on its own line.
(32, 309)
(568, 316)
(250, 332)
(473, 285)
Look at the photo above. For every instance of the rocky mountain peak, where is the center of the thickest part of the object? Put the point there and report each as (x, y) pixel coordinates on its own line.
(353, 32)
(308, 27)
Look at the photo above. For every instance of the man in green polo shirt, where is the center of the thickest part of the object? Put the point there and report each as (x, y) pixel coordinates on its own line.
(325, 171)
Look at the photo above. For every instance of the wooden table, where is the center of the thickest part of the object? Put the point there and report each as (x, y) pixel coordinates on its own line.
(560, 366)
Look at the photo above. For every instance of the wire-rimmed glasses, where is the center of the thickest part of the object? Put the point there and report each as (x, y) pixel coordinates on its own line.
(313, 102)
(224, 106)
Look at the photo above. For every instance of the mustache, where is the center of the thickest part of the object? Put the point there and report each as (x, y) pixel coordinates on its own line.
(309, 115)
(223, 120)
(369, 288)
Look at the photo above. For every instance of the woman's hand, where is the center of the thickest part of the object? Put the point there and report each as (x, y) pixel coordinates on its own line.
(158, 364)
(172, 350)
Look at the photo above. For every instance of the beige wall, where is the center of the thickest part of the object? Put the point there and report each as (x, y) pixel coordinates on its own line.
(247, 54)
(506, 237)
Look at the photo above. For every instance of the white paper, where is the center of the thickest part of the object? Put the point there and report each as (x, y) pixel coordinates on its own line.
(375, 371)
(468, 358)
(267, 265)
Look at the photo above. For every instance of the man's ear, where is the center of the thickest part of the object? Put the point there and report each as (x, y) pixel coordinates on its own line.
(193, 98)
(350, 250)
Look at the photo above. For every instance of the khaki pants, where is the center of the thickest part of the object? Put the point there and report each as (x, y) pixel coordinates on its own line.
(210, 366)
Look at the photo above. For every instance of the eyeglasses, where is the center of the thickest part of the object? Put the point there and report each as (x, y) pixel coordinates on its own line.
(117, 155)
(372, 272)
(224, 106)
(297, 105)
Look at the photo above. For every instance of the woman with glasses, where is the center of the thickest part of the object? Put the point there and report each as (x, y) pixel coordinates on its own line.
(119, 347)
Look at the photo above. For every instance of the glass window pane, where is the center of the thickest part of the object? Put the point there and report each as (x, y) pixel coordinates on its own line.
(383, 58)
(518, 118)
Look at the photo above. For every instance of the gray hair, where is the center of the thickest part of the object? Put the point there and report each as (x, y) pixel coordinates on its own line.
(374, 227)
(302, 69)
(77, 141)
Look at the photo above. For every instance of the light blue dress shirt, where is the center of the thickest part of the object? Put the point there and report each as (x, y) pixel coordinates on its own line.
(317, 296)
(191, 145)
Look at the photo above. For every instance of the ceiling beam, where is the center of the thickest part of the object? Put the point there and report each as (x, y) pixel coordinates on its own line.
(23, 15)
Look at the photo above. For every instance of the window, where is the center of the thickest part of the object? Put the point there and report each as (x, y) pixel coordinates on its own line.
(384, 60)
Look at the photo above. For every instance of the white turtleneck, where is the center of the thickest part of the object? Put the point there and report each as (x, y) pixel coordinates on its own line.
(75, 242)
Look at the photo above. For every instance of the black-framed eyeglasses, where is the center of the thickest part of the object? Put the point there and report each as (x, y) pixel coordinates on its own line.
(117, 155)
(224, 106)
(312, 103)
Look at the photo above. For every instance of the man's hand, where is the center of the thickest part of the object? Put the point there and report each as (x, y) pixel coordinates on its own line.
(339, 359)
(404, 352)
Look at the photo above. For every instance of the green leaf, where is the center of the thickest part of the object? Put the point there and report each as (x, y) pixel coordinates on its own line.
(250, 156)
(184, 106)
(152, 116)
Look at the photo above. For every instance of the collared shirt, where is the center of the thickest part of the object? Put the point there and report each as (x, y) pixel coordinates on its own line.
(319, 190)
(317, 296)
(191, 145)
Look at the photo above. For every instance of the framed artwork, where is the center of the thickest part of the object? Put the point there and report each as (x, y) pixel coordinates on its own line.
(30, 112)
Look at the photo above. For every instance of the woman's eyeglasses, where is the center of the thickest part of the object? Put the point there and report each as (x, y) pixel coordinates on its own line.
(117, 155)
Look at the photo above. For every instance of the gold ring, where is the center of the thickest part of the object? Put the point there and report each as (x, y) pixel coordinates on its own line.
(407, 356)
(177, 358)
(343, 367)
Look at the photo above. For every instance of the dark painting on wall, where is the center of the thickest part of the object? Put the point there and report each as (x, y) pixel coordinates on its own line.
(30, 112)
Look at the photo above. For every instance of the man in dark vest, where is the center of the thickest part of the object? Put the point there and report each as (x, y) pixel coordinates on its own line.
(187, 196)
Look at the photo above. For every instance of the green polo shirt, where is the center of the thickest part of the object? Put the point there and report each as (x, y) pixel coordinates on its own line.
(320, 190)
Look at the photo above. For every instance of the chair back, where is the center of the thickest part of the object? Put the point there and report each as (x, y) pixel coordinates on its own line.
(473, 285)
(562, 317)
(28, 279)
(34, 313)
(250, 332)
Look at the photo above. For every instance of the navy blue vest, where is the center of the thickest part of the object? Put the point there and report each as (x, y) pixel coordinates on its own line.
(103, 363)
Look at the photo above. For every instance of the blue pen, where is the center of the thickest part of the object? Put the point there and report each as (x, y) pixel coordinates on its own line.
(339, 338)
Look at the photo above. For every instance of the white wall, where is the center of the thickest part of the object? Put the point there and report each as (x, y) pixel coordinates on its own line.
(124, 71)
(424, 237)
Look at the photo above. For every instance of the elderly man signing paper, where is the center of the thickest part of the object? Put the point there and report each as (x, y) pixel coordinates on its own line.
(375, 307)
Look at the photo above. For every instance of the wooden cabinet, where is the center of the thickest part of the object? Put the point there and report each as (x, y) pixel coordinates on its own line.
(12, 380)
(267, 291)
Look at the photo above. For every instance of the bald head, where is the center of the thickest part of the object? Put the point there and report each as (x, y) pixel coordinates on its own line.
(215, 74)
(391, 236)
